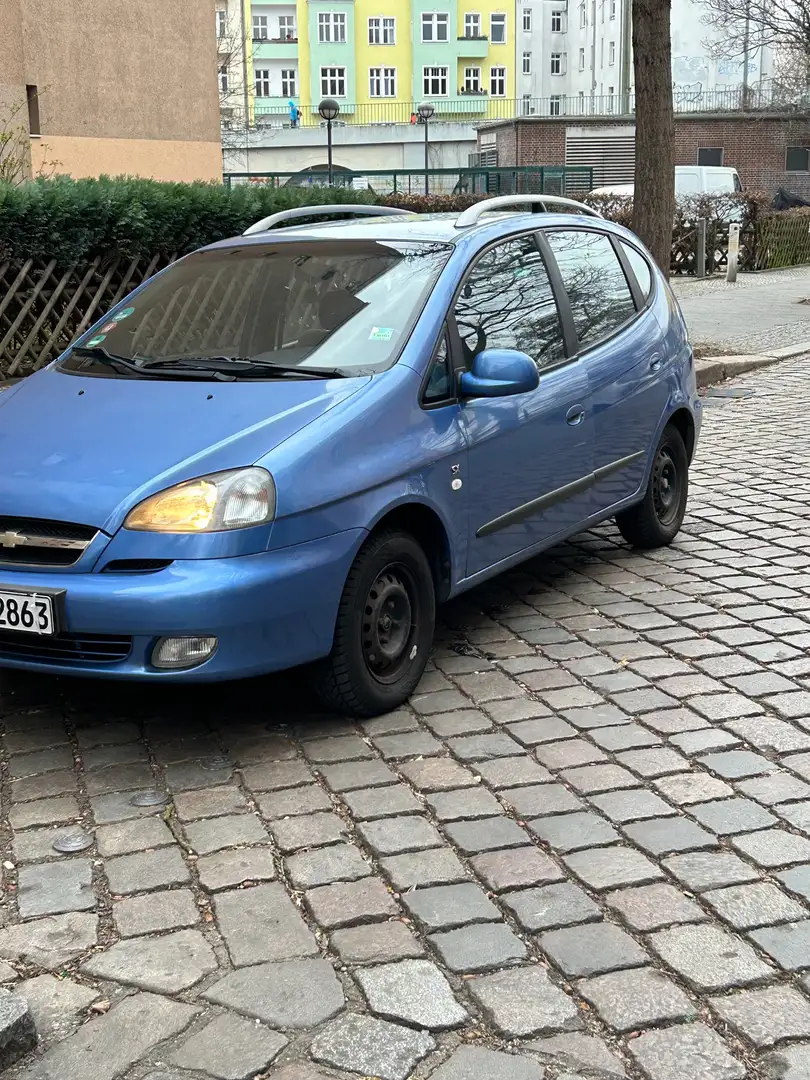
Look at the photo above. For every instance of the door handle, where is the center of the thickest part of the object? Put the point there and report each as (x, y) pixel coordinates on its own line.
(575, 415)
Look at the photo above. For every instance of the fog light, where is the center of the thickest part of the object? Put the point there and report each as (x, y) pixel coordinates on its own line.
(182, 652)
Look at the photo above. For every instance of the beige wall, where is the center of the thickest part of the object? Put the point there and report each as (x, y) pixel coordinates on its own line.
(164, 159)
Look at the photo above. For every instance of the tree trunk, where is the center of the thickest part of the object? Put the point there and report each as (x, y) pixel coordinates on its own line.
(654, 192)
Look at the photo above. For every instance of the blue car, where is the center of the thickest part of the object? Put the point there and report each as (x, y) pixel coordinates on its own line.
(287, 448)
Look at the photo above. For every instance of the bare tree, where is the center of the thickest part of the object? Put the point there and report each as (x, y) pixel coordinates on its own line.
(746, 25)
(654, 189)
(15, 148)
(231, 75)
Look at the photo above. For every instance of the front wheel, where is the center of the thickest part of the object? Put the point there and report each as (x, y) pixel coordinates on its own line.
(657, 519)
(384, 628)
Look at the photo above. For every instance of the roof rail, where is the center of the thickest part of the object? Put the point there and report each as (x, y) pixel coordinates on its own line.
(538, 203)
(354, 209)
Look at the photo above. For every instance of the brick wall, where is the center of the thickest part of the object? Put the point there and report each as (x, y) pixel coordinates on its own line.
(753, 144)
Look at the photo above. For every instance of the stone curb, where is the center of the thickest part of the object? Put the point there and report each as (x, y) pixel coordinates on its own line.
(718, 368)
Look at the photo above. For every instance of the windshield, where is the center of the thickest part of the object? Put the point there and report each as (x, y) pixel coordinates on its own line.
(334, 305)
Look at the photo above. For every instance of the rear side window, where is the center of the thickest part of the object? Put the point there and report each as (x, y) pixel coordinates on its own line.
(638, 264)
(597, 289)
(507, 303)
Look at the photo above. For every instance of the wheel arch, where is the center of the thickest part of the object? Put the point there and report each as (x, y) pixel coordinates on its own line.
(684, 423)
(428, 529)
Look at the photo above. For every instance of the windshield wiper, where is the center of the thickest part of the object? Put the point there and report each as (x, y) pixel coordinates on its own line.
(123, 363)
(239, 365)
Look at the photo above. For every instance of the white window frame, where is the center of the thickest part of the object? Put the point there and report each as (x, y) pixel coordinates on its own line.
(557, 21)
(382, 82)
(260, 27)
(558, 63)
(224, 85)
(497, 81)
(526, 106)
(582, 59)
(332, 27)
(472, 24)
(222, 23)
(374, 29)
(611, 53)
(527, 63)
(555, 105)
(583, 14)
(289, 83)
(472, 80)
(285, 32)
(435, 19)
(389, 30)
(527, 20)
(333, 81)
(261, 79)
(500, 16)
(613, 9)
(382, 30)
(441, 75)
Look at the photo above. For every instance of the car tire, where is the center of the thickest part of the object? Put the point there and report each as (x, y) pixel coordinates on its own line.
(384, 628)
(657, 519)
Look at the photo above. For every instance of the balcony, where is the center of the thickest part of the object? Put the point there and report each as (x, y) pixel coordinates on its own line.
(275, 48)
(466, 104)
(473, 47)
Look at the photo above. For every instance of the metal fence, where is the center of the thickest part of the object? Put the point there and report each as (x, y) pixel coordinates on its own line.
(521, 180)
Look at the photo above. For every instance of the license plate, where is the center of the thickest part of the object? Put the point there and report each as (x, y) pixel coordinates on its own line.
(29, 613)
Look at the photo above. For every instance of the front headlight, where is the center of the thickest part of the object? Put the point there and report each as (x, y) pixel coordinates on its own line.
(228, 500)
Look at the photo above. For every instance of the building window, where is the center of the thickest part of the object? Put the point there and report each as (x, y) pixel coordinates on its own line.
(527, 19)
(472, 80)
(289, 87)
(526, 105)
(286, 28)
(472, 25)
(581, 59)
(382, 82)
(332, 26)
(382, 31)
(434, 81)
(555, 105)
(261, 28)
(222, 23)
(262, 82)
(557, 63)
(527, 63)
(613, 9)
(497, 81)
(557, 23)
(497, 29)
(713, 155)
(583, 15)
(223, 80)
(32, 96)
(333, 82)
(797, 159)
(435, 26)
(611, 91)
(612, 52)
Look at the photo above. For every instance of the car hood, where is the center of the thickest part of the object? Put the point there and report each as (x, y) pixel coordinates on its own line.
(85, 449)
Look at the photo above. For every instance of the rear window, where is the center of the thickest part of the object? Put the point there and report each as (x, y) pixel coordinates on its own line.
(348, 305)
(640, 268)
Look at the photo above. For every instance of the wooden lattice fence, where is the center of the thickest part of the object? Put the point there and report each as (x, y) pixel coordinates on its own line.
(784, 240)
(43, 307)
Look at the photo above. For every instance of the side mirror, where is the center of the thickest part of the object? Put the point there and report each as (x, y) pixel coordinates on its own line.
(500, 373)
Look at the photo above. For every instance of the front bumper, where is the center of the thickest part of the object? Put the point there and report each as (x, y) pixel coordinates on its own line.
(269, 611)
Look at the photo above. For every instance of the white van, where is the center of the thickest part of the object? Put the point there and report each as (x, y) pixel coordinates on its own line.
(689, 180)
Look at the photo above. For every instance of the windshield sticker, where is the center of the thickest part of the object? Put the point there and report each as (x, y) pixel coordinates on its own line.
(381, 333)
(124, 313)
(97, 340)
(107, 327)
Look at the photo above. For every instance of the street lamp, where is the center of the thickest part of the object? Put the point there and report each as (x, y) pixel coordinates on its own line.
(426, 111)
(329, 109)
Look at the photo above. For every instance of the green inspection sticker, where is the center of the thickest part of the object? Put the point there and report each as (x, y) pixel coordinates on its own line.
(381, 333)
(97, 340)
(124, 313)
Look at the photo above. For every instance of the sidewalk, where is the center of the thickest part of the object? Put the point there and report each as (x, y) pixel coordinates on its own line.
(760, 313)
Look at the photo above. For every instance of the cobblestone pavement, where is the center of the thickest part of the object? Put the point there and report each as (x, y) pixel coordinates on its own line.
(759, 312)
(582, 852)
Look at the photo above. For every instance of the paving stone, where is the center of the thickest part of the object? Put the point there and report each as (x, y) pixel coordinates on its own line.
(43, 785)
(437, 774)
(469, 803)
(349, 903)
(734, 815)
(289, 994)
(463, 722)
(50, 943)
(627, 1000)
(363, 1044)
(448, 906)
(690, 1050)
(54, 888)
(688, 789)
(117, 806)
(338, 748)
(18, 1034)
(323, 866)
(591, 949)
(353, 775)
(524, 1002)
(44, 812)
(515, 868)
(478, 1063)
(702, 870)
(125, 837)
(700, 742)
(7, 973)
(543, 729)
(577, 1051)
(392, 836)
(660, 836)
(408, 744)
(708, 958)
(375, 943)
(478, 948)
(541, 799)
(153, 912)
(773, 848)
(489, 834)
(366, 804)
(230, 1048)
(592, 779)
(146, 870)
(655, 761)
(569, 753)
(293, 802)
(572, 832)
(788, 945)
(551, 906)
(509, 772)
(56, 1004)
(625, 737)
(651, 907)
(797, 879)
(633, 805)
(110, 1045)
(514, 709)
(797, 814)
(788, 1063)
(736, 764)
(608, 868)
(770, 735)
(311, 830)
(790, 705)
(262, 924)
(483, 747)
(117, 778)
(778, 787)
(412, 991)
(276, 775)
(40, 761)
(419, 869)
(225, 869)
(209, 802)
(765, 1017)
(162, 965)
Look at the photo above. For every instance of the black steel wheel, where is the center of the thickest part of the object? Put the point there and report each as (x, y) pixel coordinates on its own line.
(656, 520)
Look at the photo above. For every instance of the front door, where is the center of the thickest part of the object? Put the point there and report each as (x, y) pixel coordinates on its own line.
(529, 456)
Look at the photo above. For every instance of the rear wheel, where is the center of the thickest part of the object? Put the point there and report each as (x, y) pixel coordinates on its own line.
(657, 519)
(384, 628)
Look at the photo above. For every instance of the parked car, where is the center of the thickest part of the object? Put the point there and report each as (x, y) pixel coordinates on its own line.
(690, 180)
(287, 448)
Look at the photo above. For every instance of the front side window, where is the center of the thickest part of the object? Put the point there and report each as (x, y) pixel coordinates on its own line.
(434, 81)
(497, 29)
(348, 305)
(262, 82)
(435, 26)
(472, 25)
(440, 384)
(507, 303)
(497, 81)
(333, 82)
(261, 31)
(332, 26)
(592, 275)
(472, 80)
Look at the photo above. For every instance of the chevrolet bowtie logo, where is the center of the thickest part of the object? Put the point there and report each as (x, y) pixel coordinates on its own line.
(12, 539)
